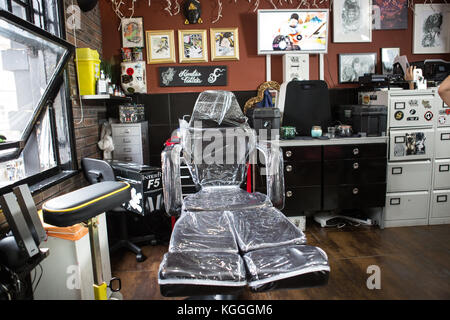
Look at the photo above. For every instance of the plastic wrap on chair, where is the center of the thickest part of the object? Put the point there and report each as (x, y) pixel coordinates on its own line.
(171, 179)
(263, 228)
(219, 156)
(200, 273)
(203, 231)
(288, 267)
(217, 106)
(274, 172)
(224, 198)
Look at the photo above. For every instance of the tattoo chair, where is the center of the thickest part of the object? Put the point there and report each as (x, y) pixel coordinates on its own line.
(226, 238)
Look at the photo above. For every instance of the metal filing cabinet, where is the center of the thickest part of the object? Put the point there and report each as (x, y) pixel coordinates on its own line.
(131, 142)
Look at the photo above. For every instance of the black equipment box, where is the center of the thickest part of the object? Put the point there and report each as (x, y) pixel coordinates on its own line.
(265, 119)
(146, 186)
(368, 120)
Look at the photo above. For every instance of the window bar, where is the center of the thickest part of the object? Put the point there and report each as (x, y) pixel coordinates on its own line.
(54, 132)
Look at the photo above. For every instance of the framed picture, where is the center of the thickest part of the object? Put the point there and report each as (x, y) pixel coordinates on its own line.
(192, 45)
(389, 15)
(387, 59)
(132, 32)
(352, 21)
(224, 44)
(354, 65)
(431, 25)
(160, 46)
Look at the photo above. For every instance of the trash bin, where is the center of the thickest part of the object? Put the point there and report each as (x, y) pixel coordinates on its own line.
(88, 70)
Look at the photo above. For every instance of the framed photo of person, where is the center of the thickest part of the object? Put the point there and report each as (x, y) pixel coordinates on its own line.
(387, 59)
(354, 65)
(132, 32)
(431, 25)
(224, 44)
(160, 46)
(352, 21)
(192, 46)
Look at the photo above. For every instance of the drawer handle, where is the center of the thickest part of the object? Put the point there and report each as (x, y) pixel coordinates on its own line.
(289, 194)
(126, 140)
(444, 168)
(445, 136)
(126, 131)
(355, 190)
(128, 159)
(442, 198)
(356, 165)
(288, 154)
(397, 170)
(288, 168)
(356, 151)
(394, 201)
(126, 149)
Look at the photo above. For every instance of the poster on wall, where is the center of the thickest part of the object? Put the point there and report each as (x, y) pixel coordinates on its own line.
(431, 28)
(132, 32)
(193, 76)
(387, 59)
(389, 15)
(352, 21)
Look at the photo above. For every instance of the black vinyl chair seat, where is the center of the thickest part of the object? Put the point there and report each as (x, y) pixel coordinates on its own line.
(85, 203)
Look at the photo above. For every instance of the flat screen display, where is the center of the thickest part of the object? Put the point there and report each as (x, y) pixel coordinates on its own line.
(292, 31)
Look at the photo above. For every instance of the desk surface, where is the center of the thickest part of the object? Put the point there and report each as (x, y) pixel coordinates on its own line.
(299, 142)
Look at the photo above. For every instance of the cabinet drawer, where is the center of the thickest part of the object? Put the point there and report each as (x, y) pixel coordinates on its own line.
(373, 150)
(358, 171)
(302, 199)
(128, 140)
(302, 173)
(442, 143)
(124, 131)
(441, 204)
(124, 149)
(135, 158)
(354, 196)
(407, 205)
(409, 176)
(442, 174)
(302, 153)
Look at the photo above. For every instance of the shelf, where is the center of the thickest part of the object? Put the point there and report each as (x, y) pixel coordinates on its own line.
(105, 97)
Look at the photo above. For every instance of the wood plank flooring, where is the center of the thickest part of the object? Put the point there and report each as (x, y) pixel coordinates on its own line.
(414, 264)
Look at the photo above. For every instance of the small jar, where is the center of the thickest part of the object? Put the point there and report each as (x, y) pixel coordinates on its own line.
(316, 131)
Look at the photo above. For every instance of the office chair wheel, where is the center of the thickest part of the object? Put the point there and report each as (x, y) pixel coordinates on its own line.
(140, 257)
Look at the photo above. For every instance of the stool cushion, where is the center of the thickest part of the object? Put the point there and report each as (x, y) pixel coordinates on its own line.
(85, 203)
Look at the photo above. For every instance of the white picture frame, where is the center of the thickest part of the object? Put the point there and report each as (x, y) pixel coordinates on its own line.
(354, 65)
(352, 21)
(431, 42)
(387, 59)
(133, 32)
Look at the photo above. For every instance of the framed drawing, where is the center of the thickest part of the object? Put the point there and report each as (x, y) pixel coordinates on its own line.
(224, 44)
(192, 46)
(387, 59)
(431, 28)
(160, 46)
(132, 32)
(354, 65)
(352, 21)
(389, 15)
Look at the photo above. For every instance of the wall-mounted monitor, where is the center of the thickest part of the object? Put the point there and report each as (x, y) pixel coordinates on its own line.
(292, 31)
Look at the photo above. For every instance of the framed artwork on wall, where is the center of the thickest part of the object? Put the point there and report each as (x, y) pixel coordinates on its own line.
(354, 65)
(387, 59)
(352, 21)
(192, 46)
(224, 44)
(389, 15)
(160, 46)
(132, 32)
(431, 28)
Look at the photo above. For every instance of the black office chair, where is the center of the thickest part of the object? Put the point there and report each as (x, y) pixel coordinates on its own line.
(98, 171)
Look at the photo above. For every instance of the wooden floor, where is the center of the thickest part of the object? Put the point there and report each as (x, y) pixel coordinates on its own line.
(414, 264)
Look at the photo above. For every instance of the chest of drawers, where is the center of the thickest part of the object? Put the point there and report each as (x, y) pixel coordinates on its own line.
(131, 142)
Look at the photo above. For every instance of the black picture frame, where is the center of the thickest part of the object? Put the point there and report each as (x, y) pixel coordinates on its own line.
(347, 73)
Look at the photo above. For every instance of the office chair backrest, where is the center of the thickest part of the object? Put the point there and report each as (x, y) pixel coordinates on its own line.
(96, 170)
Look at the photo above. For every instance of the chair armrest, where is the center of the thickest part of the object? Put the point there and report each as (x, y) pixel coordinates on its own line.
(273, 160)
(171, 179)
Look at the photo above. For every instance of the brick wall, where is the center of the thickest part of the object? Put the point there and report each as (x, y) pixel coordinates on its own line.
(87, 124)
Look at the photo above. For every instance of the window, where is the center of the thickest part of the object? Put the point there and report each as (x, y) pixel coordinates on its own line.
(34, 110)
